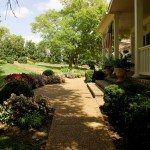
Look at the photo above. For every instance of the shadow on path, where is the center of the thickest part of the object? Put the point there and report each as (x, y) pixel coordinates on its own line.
(78, 123)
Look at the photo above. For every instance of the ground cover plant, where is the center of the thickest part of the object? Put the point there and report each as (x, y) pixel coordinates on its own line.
(92, 75)
(128, 110)
(27, 120)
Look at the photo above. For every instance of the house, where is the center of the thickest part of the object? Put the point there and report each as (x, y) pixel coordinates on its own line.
(131, 18)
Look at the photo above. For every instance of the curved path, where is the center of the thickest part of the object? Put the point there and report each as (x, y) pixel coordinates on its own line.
(78, 123)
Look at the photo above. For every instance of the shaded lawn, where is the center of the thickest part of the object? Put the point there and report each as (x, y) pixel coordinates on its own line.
(11, 143)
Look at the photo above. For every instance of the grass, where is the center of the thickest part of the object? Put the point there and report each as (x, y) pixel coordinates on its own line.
(12, 68)
(57, 68)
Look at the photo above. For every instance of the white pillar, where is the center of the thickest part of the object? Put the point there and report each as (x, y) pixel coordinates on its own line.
(138, 21)
(116, 35)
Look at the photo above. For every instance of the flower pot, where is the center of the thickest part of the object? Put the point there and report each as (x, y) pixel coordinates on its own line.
(120, 73)
(108, 72)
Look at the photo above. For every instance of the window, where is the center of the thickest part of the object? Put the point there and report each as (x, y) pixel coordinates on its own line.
(146, 39)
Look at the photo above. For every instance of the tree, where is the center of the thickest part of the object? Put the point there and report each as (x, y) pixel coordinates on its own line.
(13, 46)
(73, 29)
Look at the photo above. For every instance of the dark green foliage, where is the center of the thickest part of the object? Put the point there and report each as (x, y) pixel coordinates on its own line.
(134, 89)
(108, 63)
(98, 75)
(3, 62)
(128, 110)
(48, 72)
(10, 60)
(32, 119)
(89, 75)
(22, 60)
(5, 114)
(91, 64)
(17, 87)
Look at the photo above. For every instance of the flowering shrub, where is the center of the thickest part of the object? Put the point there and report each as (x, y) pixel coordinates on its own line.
(26, 110)
(17, 87)
(23, 77)
(38, 80)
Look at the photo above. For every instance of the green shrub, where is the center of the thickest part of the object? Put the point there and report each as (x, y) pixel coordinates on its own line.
(3, 62)
(113, 91)
(98, 75)
(17, 87)
(10, 60)
(32, 119)
(89, 75)
(114, 101)
(22, 60)
(129, 111)
(48, 72)
(134, 88)
(5, 114)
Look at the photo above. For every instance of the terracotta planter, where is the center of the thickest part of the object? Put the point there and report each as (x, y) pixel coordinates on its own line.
(120, 73)
(108, 72)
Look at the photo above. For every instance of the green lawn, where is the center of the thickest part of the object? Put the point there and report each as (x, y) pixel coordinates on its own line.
(11, 68)
(57, 68)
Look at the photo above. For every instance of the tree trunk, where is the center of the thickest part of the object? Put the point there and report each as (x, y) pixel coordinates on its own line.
(70, 63)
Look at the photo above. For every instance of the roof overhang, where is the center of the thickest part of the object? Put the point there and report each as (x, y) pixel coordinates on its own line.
(106, 21)
(125, 10)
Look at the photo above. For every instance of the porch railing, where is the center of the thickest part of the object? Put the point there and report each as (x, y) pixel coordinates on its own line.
(144, 60)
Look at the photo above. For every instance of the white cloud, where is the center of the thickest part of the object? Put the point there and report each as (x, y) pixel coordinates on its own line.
(20, 12)
(33, 38)
(51, 4)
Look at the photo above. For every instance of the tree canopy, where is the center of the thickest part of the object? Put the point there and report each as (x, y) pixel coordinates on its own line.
(71, 32)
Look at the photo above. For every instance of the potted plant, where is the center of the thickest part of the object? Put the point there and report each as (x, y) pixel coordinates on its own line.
(120, 67)
(108, 66)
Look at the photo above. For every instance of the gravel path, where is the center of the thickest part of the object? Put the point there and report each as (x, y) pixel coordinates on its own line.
(78, 123)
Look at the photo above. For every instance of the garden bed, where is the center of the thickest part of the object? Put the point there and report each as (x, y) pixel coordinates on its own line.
(127, 108)
(15, 138)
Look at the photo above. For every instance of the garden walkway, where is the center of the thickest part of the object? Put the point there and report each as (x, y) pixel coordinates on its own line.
(78, 123)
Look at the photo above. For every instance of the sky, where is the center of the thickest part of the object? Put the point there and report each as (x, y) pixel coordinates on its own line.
(26, 13)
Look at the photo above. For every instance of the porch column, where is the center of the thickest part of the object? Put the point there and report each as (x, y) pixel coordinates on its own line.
(116, 35)
(138, 21)
(132, 46)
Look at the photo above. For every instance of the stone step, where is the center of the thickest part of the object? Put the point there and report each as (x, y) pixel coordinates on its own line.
(95, 90)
